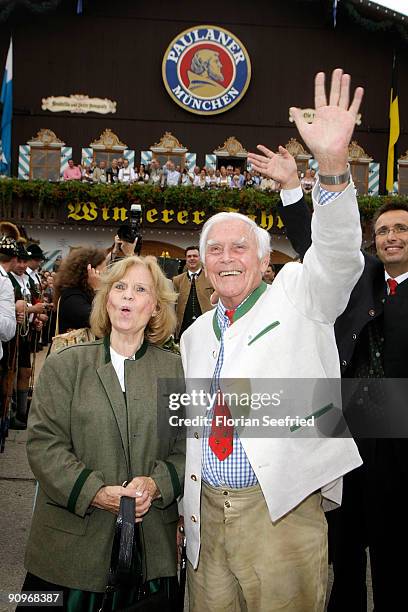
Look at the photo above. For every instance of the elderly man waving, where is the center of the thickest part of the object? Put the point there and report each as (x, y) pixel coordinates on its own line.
(253, 507)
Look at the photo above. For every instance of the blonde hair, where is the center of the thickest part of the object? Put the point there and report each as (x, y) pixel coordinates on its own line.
(162, 325)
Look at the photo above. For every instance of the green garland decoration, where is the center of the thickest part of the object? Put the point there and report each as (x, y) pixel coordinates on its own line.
(385, 26)
(46, 195)
(35, 6)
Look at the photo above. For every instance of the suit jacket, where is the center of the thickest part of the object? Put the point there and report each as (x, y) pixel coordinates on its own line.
(182, 285)
(83, 434)
(366, 414)
(287, 333)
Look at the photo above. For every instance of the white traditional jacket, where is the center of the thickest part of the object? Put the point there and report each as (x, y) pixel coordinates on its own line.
(286, 332)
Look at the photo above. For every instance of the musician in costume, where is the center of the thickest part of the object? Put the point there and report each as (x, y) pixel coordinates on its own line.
(8, 258)
(31, 309)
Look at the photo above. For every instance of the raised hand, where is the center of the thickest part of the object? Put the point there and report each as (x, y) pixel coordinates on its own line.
(279, 166)
(94, 277)
(329, 135)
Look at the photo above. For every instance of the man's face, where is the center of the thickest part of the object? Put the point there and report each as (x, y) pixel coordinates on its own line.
(114, 163)
(392, 247)
(20, 267)
(34, 264)
(231, 262)
(230, 170)
(237, 171)
(269, 275)
(193, 262)
(102, 165)
(71, 163)
(170, 166)
(125, 163)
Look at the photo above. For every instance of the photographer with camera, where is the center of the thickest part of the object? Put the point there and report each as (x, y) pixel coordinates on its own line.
(128, 240)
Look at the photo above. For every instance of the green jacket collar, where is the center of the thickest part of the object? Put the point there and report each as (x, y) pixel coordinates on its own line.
(242, 308)
(138, 355)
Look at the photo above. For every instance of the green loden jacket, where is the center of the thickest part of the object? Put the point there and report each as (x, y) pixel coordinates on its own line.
(83, 434)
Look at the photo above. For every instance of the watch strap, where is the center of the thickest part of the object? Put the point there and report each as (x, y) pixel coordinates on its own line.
(335, 179)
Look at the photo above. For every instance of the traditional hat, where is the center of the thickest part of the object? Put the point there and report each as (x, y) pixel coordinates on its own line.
(10, 230)
(8, 246)
(35, 251)
(21, 251)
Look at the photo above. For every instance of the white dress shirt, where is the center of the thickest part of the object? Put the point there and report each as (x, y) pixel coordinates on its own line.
(7, 309)
(172, 178)
(400, 279)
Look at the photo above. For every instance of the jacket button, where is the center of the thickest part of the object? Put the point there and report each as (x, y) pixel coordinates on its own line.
(196, 435)
(194, 518)
(214, 354)
(371, 312)
(193, 477)
(354, 337)
(344, 362)
(227, 504)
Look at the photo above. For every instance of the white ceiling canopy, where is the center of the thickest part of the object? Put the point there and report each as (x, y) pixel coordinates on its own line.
(399, 6)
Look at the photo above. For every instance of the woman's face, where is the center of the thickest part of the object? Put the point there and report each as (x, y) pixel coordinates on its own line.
(132, 301)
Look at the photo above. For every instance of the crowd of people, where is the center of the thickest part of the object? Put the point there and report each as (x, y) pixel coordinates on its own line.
(254, 506)
(171, 175)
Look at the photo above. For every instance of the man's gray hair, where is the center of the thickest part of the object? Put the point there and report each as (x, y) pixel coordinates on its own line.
(263, 240)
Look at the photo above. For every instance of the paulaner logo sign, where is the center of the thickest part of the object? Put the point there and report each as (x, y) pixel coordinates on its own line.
(206, 70)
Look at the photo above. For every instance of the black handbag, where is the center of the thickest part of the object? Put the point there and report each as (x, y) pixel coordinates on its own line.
(126, 568)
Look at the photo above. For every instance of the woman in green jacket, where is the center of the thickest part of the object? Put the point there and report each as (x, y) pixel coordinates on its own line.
(99, 420)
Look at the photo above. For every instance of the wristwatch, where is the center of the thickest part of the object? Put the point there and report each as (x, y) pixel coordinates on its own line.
(335, 179)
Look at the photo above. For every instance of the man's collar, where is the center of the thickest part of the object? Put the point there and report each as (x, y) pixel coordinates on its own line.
(400, 279)
(190, 273)
(241, 310)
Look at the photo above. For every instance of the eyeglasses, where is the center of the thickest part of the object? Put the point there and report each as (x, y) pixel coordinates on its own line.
(397, 229)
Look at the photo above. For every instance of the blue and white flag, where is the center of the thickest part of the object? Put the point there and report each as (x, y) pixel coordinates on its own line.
(6, 99)
(334, 13)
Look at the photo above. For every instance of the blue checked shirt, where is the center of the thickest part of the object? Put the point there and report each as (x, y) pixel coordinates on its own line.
(327, 196)
(235, 471)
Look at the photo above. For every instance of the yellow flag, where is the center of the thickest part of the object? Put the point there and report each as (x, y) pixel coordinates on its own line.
(394, 130)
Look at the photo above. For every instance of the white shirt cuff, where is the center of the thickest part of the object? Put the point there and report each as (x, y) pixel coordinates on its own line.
(291, 196)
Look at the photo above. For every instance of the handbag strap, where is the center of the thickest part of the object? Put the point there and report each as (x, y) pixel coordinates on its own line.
(123, 550)
(57, 319)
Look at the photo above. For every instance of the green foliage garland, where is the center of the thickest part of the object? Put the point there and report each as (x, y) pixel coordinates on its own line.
(54, 195)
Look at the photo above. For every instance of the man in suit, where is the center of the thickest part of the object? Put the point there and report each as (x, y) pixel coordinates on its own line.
(194, 291)
(372, 339)
(254, 521)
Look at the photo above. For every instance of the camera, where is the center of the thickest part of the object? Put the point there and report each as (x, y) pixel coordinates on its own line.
(133, 230)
